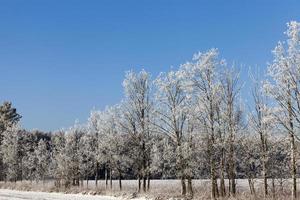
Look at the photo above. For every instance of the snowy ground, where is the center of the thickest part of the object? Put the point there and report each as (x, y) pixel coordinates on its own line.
(20, 195)
(159, 188)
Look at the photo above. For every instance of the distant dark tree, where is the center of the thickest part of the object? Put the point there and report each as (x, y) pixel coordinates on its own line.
(8, 116)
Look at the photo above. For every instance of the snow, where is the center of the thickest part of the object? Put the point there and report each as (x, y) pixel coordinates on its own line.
(21, 195)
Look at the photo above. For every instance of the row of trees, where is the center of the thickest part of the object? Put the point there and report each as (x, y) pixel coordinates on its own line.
(187, 123)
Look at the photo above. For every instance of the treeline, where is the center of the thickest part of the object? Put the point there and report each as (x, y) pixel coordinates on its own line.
(187, 123)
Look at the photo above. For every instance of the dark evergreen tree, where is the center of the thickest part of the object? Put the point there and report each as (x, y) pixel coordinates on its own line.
(8, 116)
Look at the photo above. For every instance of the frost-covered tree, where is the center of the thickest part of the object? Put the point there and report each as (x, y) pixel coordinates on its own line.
(95, 128)
(65, 156)
(278, 163)
(172, 112)
(189, 157)
(29, 159)
(137, 111)
(8, 118)
(104, 127)
(42, 160)
(29, 164)
(203, 83)
(86, 156)
(10, 153)
(163, 158)
(70, 155)
(57, 165)
(261, 121)
(284, 88)
(232, 119)
(114, 143)
(248, 155)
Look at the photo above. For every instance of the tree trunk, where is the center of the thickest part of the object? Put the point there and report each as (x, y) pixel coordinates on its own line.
(96, 175)
(229, 184)
(232, 168)
(139, 183)
(190, 187)
(222, 181)
(294, 167)
(106, 178)
(148, 174)
(281, 185)
(251, 186)
(293, 148)
(181, 167)
(148, 184)
(144, 167)
(263, 162)
(183, 186)
(265, 184)
(110, 178)
(213, 183)
(144, 183)
(273, 189)
(222, 186)
(214, 186)
(87, 182)
(120, 181)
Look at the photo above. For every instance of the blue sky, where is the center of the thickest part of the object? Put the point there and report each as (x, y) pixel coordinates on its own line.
(60, 58)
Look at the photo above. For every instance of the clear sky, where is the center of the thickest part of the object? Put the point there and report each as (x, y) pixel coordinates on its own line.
(60, 58)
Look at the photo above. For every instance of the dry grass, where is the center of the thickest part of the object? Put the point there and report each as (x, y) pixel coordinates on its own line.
(160, 189)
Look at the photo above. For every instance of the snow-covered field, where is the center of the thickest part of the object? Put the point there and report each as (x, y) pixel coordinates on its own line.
(159, 188)
(21, 195)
